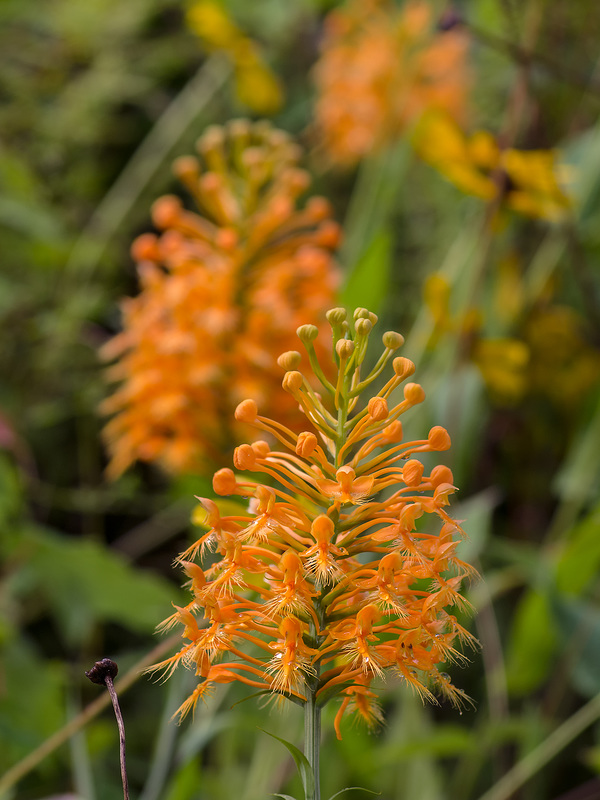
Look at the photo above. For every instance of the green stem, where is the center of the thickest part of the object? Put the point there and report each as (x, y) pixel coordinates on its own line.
(31, 761)
(312, 741)
(534, 761)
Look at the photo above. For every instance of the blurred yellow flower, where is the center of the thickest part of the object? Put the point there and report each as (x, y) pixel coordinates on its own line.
(564, 365)
(503, 364)
(381, 67)
(552, 357)
(222, 294)
(209, 21)
(502, 361)
(525, 181)
(256, 84)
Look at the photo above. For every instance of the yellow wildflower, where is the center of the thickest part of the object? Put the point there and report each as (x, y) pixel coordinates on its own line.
(501, 360)
(331, 581)
(564, 365)
(503, 363)
(525, 181)
(256, 84)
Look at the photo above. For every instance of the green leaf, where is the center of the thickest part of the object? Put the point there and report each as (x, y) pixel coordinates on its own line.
(83, 582)
(185, 781)
(368, 282)
(579, 563)
(349, 789)
(579, 626)
(31, 702)
(580, 474)
(444, 741)
(532, 645)
(476, 515)
(285, 796)
(306, 774)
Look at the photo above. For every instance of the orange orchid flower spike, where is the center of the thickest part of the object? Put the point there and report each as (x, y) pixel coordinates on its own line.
(339, 563)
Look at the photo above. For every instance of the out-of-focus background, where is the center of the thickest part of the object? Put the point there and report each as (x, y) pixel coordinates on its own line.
(458, 147)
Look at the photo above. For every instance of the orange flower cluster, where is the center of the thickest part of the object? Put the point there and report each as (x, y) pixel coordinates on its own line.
(344, 565)
(222, 294)
(380, 69)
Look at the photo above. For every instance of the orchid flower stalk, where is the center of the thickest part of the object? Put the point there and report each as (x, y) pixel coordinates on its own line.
(342, 566)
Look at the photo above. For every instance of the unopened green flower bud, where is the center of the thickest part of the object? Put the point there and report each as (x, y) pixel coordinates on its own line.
(344, 348)
(308, 333)
(335, 316)
(392, 340)
(363, 327)
(364, 313)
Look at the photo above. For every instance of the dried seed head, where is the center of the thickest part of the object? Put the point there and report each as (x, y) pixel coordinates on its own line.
(103, 669)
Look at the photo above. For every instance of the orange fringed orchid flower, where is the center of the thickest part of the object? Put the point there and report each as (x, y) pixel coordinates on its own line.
(222, 294)
(344, 566)
(381, 67)
(528, 182)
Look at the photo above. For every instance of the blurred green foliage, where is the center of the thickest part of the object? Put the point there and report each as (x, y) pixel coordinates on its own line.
(97, 98)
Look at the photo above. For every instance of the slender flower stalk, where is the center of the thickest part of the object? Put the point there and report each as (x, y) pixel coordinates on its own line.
(103, 672)
(343, 567)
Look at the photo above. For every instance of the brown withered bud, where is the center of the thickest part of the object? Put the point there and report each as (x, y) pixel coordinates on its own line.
(103, 669)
